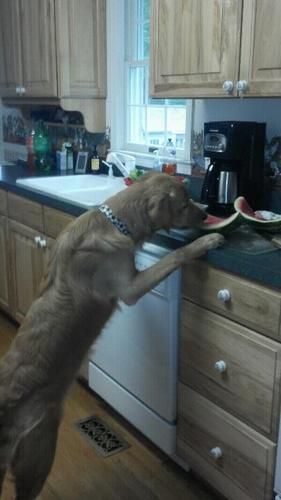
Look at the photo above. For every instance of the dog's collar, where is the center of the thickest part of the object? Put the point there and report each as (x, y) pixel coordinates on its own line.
(121, 226)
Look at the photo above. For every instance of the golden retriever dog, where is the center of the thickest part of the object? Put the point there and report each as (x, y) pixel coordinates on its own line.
(91, 268)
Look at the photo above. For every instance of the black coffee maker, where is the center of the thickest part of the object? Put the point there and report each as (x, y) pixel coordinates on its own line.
(235, 151)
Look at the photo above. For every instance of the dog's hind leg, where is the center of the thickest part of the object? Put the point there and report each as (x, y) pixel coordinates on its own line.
(34, 457)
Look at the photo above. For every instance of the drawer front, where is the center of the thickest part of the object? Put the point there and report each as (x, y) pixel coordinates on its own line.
(246, 457)
(250, 304)
(234, 367)
(25, 211)
(3, 202)
(55, 221)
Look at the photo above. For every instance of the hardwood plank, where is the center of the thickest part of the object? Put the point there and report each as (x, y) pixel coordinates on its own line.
(141, 472)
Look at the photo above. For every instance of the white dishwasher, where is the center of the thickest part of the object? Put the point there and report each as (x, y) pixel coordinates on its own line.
(134, 364)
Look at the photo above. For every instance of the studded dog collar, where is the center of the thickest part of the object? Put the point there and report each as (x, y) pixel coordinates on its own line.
(121, 226)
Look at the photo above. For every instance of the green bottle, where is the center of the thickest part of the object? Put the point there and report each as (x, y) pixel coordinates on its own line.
(42, 147)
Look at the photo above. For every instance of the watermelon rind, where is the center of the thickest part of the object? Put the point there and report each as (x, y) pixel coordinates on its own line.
(271, 226)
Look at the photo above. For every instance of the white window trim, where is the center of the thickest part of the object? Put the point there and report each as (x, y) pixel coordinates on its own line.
(116, 82)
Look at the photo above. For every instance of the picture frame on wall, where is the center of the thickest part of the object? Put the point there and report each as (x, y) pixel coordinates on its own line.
(81, 162)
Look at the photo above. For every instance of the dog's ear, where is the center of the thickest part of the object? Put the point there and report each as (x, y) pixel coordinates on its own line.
(159, 208)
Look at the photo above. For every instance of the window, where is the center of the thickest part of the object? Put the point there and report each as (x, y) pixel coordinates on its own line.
(146, 123)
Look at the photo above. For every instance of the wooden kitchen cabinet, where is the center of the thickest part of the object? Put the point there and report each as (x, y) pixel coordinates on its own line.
(39, 69)
(55, 49)
(229, 381)
(28, 48)
(29, 254)
(10, 48)
(260, 61)
(215, 48)
(81, 48)
(236, 460)
(4, 265)
(4, 254)
(29, 230)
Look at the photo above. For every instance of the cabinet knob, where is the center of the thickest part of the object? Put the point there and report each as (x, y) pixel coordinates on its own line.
(242, 86)
(40, 242)
(37, 241)
(224, 295)
(22, 90)
(216, 452)
(228, 86)
(220, 366)
(18, 90)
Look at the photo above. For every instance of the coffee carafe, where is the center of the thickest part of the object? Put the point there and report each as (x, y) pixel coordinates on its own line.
(235, 154)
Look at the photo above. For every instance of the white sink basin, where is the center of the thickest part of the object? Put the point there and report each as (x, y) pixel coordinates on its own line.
(83, 190)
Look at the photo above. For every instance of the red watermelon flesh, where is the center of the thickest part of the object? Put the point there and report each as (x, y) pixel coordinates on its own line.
(242, 205)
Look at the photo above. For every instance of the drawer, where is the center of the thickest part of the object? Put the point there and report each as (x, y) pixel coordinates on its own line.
(250, 304)
(236, 368)
(247, 458)
(55, 221)
(25, 211)
(3, 202)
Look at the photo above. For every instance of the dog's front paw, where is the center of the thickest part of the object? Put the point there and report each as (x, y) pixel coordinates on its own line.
(200, 246)
(213, 240)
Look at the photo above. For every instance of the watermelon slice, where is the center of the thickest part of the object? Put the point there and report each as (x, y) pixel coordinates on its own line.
(259, 220)
(244, 214)
(220, 224)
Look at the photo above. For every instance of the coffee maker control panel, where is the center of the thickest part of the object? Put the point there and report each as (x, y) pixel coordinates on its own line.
(215, 142)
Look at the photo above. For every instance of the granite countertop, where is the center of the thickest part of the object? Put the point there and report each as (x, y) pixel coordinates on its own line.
(246, 253)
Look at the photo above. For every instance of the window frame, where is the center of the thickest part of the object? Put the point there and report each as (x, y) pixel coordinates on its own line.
(116, 103)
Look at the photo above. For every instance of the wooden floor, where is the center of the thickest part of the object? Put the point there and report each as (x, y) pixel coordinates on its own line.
(140, 472)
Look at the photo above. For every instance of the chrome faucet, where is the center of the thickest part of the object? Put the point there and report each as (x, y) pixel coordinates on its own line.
(116, 159)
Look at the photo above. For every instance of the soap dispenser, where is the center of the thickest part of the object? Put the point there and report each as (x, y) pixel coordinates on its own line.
(157, 162)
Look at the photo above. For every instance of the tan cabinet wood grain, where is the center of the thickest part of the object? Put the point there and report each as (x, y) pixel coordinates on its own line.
(27, 267)
(81, 48)
(27, 51)
(38, 48)
(194, 47)
(10, 48)
(4, 265)
(3, 202)
(246, 457)
(260, 47)
(200, 48)
(25, 211)
(232, 366)
(54, 51)
(55, 221)
(250, 304)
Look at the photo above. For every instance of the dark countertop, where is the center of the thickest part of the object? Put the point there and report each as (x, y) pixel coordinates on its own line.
(255, 258)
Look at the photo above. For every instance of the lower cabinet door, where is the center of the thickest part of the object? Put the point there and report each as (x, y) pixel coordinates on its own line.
(4, 265)
(231, 456)
(28, 253)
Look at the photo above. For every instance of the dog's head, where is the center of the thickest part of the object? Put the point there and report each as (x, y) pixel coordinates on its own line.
(169, 204)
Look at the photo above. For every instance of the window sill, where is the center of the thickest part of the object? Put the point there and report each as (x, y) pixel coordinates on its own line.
(146, 160)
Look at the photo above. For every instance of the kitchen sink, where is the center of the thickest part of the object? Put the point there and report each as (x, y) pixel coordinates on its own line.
(83, 190)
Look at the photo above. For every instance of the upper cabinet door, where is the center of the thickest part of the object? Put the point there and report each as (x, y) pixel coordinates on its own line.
(195, 47)
(261, 47)
(10, 56)
(81, 39)
(38, 48)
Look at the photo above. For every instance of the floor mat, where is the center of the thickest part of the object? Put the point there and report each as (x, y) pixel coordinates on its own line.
(105, 441)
